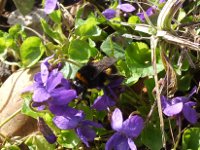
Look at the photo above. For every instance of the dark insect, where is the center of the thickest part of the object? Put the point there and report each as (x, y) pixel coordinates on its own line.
(95, 74)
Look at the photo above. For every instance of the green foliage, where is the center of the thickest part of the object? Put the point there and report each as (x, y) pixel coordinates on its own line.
(56, 16)
(88, 28)
(38, 142)
(69, 70)
(138, 59)
(31, 51)
(20, 6)
(190, 139)
(113, 46)
(95, 36)
(54, 33)
(26, 108)
(151, 137)
(68, 139)
(80, 51)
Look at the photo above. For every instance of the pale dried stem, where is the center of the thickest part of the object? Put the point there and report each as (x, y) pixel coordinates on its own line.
(154, 41)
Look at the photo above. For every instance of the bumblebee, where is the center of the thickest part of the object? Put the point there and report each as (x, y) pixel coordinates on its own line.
(95, 74)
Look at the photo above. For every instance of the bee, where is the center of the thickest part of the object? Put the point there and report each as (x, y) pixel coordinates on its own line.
(95, 74)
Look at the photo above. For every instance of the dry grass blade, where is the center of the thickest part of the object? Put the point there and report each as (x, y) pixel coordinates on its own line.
(154, 41)
(169, 84)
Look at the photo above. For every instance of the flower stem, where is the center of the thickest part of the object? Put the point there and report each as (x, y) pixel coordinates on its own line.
(179, 133)
(154, 41)
(36, 33)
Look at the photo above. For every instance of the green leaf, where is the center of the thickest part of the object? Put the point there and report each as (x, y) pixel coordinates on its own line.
(31, 51)
(38, 142)
(24, 7)
(150, 84)
(181, 14)
(113, 46)
(69, 70)
(81, 51)
(88, 28)
(190, 139)
(133, 20)
(68, 139)
(184, 82)
(26, 108)
(56, 33)
(16, 30)
(2, 45)
(56, 16)
(138, 59)
(10, 147)
(123, 68)
(151, 137)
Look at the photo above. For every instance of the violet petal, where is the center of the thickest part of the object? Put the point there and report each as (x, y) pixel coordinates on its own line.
(131, 144)
(109, 13)
(102, 102)
(150, 11)
(65, 123)
(141, 16)
(126, 7)
(37, 78)
(86, 134)
(164, 102)
(189, 113)
(91, 123)
(173, 109)
(116, 119)
(54, 79)
(162, 1)
(40, 95)
(62, 96)
(50, 5)
(58, 110)
(133, 126)
(44, 73)
(65, 83)
(178, 99)
(46, 131)
(117, 142)
(192, 92)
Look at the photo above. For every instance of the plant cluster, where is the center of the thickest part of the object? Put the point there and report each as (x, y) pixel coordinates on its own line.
(156, 52)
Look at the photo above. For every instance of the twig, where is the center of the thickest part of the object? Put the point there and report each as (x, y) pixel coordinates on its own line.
(154, 41)
(170, 127)
(35, 32)
(178, 41)
(179, 133)
(150, 112)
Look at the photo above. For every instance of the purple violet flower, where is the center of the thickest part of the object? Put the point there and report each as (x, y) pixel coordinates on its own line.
(102, 102)
(109, 13)
(50, 5)
(109, 98)
(178, 105)
(126, 7)
(50, 87)
(85, 131)
(126, 130)
(149, 12)
(74, 119)
(162, 1)
(46, 131)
